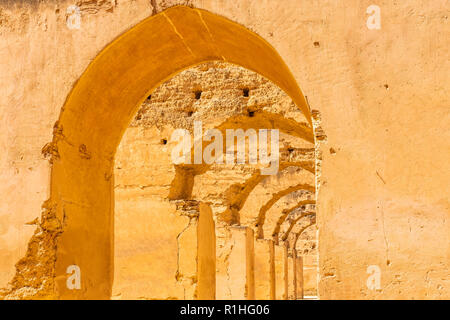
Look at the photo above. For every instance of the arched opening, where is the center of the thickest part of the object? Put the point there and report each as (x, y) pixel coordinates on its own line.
(100, 108)
(156, 210)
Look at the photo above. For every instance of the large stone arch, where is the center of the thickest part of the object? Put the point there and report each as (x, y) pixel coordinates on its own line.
(99, 109)
(259, 201)
(185, 173)
(277, 214)
(238, 193)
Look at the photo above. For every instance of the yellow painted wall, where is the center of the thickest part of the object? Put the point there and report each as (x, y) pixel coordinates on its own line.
(381, 96)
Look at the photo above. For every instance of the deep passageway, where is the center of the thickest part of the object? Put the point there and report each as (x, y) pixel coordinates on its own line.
(156, 243)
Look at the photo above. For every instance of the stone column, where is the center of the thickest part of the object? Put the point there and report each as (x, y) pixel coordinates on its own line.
(236, 278)
(206, 254)
(264, 270)
(281, 272)
(299, 276)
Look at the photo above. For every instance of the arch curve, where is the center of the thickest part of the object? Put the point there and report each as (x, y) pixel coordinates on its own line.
(99, 109)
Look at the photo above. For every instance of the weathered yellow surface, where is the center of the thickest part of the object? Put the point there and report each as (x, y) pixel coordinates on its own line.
(264, 270)
(380, 112)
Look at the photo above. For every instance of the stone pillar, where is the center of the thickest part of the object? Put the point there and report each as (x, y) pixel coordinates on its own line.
(236, 278)
(310, 275)
(206, 254)
(292, 285)
(299, 276)
(281, 272)
(264, 270)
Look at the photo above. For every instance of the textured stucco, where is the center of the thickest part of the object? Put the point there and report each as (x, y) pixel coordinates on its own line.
(380, 94)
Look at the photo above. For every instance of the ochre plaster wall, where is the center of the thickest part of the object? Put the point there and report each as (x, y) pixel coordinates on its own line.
(383, 103)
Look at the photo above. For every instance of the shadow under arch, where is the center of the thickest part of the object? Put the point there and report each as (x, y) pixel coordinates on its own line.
(99, 109)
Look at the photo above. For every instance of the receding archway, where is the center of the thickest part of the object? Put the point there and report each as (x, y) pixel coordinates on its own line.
(102, 104)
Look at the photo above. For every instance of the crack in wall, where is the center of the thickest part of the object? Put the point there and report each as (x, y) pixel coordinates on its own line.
(386, 242)
(228, 267)
(178, 34)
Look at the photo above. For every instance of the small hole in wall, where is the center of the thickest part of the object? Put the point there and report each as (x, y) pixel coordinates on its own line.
(163, 141)
(316, 44)
(190, 113)
(290, 149)
(251, 113)
(149, 97)
(198, 94)
(386, 86)
(245, 92)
